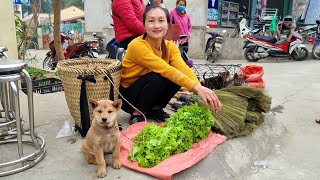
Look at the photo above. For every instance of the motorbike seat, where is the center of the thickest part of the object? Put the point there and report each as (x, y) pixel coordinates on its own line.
(318, 21)
(265, 38)
(214, 34)
(75, 44)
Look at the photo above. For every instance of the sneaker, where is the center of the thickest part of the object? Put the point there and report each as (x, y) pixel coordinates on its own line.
(158, 115)
(136, 118)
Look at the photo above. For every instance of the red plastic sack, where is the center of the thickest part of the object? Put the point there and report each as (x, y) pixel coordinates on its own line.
(173, 164)
(253, 75)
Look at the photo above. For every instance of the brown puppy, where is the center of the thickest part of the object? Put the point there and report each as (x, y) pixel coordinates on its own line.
(103, 137)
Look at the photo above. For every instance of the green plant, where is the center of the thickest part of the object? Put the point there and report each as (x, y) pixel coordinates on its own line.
(26, 37)
(36, 73)
(154, 144)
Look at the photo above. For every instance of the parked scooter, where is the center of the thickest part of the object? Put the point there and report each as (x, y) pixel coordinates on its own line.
(242, 28)
(100, 40)
(77, 50)
(3, 54)
(307, 32)
(258, 46)
(316, 45)
(112, 49)
(213, 45)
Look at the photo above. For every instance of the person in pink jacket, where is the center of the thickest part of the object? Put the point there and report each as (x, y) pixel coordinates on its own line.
(179, 16)
(127, 19)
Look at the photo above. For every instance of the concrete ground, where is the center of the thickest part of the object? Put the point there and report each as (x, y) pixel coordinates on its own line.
(294, 87)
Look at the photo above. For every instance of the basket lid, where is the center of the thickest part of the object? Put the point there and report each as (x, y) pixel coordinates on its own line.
(11, 66)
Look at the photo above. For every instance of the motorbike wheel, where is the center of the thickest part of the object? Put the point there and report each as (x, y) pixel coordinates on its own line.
(299, 54)
(213, 56)
(316, 51)
(248, 54)
(47, 63)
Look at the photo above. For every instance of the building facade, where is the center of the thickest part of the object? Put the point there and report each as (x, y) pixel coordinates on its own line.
(228, 12)
(8, 30)
(212, 13)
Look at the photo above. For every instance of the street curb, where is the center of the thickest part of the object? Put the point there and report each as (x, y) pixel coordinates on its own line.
(230, 159)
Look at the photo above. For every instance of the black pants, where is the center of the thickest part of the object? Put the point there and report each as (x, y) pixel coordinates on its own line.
(125, 42)
(148, 91)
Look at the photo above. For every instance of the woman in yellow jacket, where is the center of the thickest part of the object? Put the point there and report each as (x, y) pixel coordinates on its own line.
(153, 71)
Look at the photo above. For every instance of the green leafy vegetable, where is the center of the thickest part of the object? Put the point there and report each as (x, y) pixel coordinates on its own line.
(154, 144)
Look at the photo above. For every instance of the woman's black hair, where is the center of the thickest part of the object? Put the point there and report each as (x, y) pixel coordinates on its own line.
(163, 45)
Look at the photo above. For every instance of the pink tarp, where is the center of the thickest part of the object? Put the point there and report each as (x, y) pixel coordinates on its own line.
(175, 163)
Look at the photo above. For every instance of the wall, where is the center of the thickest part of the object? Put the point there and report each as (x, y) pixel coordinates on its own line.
(8, 31)
(97, 15)
(46, 33)
(98, 19)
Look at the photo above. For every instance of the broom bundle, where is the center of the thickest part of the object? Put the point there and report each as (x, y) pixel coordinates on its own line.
(241, 112)
(256, 96)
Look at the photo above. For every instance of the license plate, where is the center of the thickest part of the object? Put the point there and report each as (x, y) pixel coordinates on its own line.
(218, 45)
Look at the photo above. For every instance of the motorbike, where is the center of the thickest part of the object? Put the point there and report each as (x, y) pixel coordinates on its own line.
(213, 45)
(308, 32)
(316, 45)
(100, 40)
(3, 54)
(77, 50)
(258, 46)
(112, 49)
(242, 28)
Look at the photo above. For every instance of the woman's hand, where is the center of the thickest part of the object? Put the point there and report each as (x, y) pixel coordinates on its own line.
(208, 96)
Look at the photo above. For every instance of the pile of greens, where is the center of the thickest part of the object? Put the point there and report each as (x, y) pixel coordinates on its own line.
(154, 144)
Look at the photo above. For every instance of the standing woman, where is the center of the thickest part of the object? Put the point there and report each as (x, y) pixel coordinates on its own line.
(127, 19)
(153, 71)
(179, 16)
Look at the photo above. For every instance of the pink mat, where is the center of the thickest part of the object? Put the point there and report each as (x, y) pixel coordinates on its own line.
(173, 164)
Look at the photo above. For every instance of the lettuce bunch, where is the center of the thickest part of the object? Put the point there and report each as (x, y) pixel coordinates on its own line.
(154, 143)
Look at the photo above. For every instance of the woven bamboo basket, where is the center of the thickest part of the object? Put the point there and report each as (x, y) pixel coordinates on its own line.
(69, 70)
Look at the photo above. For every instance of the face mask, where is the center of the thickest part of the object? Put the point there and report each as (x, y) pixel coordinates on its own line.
(181, 8)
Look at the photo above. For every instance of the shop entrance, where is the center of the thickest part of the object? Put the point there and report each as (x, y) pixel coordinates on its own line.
(280, 5)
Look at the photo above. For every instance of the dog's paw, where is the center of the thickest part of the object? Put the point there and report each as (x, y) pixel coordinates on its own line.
(116, 164)
(102, 172)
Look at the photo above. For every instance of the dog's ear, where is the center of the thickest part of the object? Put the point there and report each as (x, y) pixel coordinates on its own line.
(93, 103)
(117, 104)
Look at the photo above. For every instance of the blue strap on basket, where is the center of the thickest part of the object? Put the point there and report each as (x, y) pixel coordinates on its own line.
(84, 109)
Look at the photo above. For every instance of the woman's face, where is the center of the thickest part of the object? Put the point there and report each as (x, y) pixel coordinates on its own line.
(156, 24)
(181, 3)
